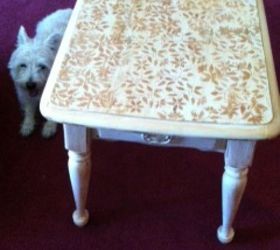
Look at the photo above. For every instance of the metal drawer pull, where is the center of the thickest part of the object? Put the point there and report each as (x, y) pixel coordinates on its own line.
(156, 139)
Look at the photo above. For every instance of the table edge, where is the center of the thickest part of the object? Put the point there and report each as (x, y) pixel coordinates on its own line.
(179, 128)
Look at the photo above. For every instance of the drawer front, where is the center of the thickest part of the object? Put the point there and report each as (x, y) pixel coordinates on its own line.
(163, 140)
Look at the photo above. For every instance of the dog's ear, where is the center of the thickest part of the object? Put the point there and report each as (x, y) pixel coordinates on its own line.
(22, 36)
(53, 41)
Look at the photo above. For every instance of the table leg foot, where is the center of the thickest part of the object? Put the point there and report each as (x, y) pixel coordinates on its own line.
(225, 236)
(80, 219)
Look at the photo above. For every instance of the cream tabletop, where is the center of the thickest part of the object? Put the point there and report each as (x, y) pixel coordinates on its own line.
(188, 68)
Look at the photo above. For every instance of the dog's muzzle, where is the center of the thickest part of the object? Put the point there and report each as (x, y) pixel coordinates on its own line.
(31, 88)
(30, 85)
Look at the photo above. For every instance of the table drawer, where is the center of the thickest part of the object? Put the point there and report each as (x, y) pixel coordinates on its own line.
(163, 140)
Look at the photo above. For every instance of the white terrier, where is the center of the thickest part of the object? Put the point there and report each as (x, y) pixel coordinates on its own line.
(30, 65)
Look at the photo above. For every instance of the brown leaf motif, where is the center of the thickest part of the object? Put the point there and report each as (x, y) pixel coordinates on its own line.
(180, 60)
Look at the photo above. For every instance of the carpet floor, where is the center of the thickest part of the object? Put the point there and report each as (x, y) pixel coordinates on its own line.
(141, 198)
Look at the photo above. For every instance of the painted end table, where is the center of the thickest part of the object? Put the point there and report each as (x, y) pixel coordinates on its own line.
(166, 72)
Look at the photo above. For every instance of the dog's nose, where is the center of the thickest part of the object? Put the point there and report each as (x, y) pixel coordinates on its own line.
(30, 85)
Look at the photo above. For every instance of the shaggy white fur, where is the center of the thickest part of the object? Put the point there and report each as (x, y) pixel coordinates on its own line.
(30, 64)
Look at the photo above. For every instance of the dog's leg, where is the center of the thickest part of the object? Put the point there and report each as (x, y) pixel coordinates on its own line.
(28, 123)
(49, 129)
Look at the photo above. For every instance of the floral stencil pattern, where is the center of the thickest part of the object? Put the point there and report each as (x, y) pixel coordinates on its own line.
(180, 60)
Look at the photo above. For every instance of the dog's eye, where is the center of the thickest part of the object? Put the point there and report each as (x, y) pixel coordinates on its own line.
(23, 66)
(42, 66)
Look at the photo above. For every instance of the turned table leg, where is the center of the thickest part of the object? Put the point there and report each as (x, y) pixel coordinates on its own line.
(238, 157)
(77, 142)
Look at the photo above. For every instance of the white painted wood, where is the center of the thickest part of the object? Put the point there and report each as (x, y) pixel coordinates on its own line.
(203, 144)
(77, 141)
(77, 138)
(63, 114)
(239, 153)
(233, 185)
(140, 124)
(79, 171)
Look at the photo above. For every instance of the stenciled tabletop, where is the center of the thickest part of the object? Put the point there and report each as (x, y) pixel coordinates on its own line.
(190, 68)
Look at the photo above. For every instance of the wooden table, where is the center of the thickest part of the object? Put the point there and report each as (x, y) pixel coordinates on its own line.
(166, 72)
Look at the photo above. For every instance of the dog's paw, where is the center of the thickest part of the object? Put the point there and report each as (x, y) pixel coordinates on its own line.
(49, 129)
(27, 127)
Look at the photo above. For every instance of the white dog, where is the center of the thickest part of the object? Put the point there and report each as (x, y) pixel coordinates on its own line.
(30, 65)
